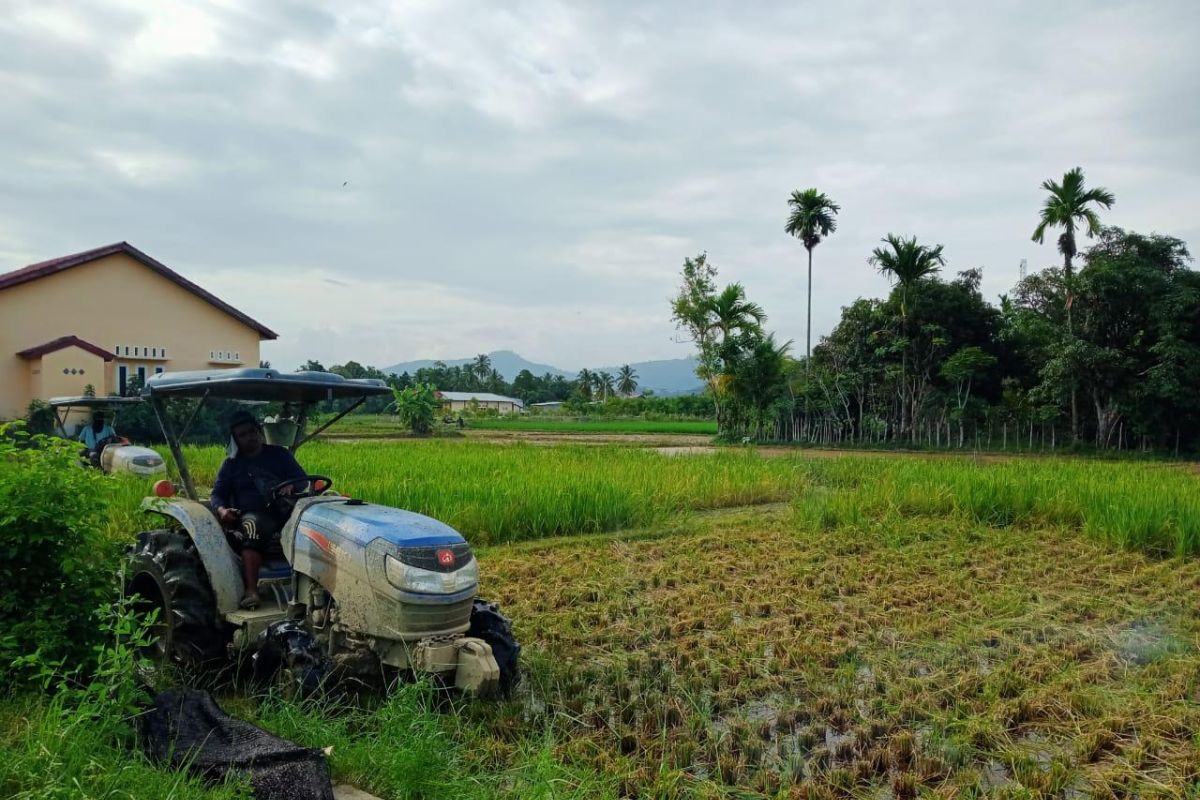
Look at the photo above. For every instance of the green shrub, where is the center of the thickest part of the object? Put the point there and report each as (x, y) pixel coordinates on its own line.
(416, 405)
(55, 563)
(40, 418)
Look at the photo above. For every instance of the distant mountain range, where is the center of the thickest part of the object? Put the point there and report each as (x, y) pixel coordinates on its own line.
(672, 376)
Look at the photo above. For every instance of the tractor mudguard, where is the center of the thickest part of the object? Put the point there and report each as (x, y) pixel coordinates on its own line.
(215, 553)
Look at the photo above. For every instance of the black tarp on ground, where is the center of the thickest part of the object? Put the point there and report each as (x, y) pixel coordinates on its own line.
(186, 728)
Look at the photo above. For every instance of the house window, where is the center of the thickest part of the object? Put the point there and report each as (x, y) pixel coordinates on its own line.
(122, 378)
(158, 370)
(136, 351)
(142, 375)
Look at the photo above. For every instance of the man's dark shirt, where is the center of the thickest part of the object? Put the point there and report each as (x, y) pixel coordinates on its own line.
(242, 482)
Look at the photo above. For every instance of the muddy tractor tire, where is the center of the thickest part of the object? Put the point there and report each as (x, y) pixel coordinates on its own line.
(489, 624)
(288, 651)
(165, 571)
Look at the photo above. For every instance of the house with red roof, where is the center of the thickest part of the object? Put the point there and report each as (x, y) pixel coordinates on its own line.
(105, 317)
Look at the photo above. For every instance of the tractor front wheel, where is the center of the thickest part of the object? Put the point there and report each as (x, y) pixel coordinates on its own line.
(489, 624)
(166, 573)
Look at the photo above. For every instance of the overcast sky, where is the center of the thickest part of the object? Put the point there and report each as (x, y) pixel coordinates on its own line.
(387, 181)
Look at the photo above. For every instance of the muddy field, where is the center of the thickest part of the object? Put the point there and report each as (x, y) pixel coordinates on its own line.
(742, 649)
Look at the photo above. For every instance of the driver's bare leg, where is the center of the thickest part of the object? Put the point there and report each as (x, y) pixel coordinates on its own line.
(259, 532)
(251, 563)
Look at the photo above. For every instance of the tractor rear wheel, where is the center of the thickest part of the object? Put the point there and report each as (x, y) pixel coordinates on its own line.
(166, 573)
(489, 624)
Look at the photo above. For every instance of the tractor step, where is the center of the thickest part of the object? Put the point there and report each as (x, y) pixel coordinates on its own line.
(250, 623)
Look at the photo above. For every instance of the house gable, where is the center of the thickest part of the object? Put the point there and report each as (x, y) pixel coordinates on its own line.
(57, 265)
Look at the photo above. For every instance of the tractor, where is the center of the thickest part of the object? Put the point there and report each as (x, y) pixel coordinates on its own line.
(357, 590)
(115, 454)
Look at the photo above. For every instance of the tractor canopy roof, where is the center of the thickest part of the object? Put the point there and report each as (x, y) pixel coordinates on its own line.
(89, 401)
(266, 385)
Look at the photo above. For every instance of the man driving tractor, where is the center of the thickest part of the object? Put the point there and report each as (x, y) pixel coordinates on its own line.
(95, 437)
(242, 497)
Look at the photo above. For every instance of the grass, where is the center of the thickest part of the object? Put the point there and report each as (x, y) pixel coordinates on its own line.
(934, 626)
(383, 425)
(52, 752)
(498, 493)
(696, 427)
(521, 491)
(1151, 507)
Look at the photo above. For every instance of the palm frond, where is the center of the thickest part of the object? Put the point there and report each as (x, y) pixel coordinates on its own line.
(1067, 203)
(812, 218)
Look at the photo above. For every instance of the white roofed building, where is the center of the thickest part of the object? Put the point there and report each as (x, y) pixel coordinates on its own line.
(454, 402)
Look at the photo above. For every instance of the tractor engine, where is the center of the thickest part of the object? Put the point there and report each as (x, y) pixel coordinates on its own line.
(393, 585)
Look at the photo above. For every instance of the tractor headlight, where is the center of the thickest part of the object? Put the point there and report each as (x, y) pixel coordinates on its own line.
(414, 579)
(147, 461)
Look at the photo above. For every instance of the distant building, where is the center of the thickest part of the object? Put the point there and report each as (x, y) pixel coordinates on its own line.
(549, 405)
(455, 402)
(106, 316)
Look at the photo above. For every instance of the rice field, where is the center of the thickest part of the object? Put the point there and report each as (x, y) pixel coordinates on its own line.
(519, 491)
(503, 493)
(695, 427)
(734, 625)
(383, 425)
(755, 654)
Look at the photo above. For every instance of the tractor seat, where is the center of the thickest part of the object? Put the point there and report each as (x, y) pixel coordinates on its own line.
(275, 574)
(274, 570)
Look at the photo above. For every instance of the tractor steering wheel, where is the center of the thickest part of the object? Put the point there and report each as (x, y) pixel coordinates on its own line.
(317, 484)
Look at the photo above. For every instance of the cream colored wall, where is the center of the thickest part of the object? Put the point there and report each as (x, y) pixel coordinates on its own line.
(54, 382)
(81, 368)
(109, 302)
(455, 406)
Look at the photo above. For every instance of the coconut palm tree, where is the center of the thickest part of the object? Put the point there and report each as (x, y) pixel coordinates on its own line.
(584, 380)
(732, 312)
(481, 366)
(1068, 205)
(812, 219)
(603, 381)
(627, 380)
(906, 262)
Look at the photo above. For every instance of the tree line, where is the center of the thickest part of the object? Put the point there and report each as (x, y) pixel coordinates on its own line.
(591, 391)
(1104, 353)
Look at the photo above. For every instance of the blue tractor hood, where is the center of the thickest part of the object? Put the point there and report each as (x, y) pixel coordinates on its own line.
(363, 523)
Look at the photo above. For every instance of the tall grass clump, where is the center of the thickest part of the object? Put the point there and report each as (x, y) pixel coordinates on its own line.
(396, 748)
(503, 493)
(78, 738)
(1153, 508)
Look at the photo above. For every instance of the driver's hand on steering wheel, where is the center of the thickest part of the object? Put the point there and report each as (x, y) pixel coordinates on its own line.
(228, 516)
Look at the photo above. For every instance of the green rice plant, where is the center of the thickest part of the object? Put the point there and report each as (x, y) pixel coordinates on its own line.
(699, 427)
(512, 492)
(1154, 508)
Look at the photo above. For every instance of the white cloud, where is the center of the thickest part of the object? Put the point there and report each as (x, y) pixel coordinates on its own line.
(335, 320)
(169, 30)
(145, 167)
